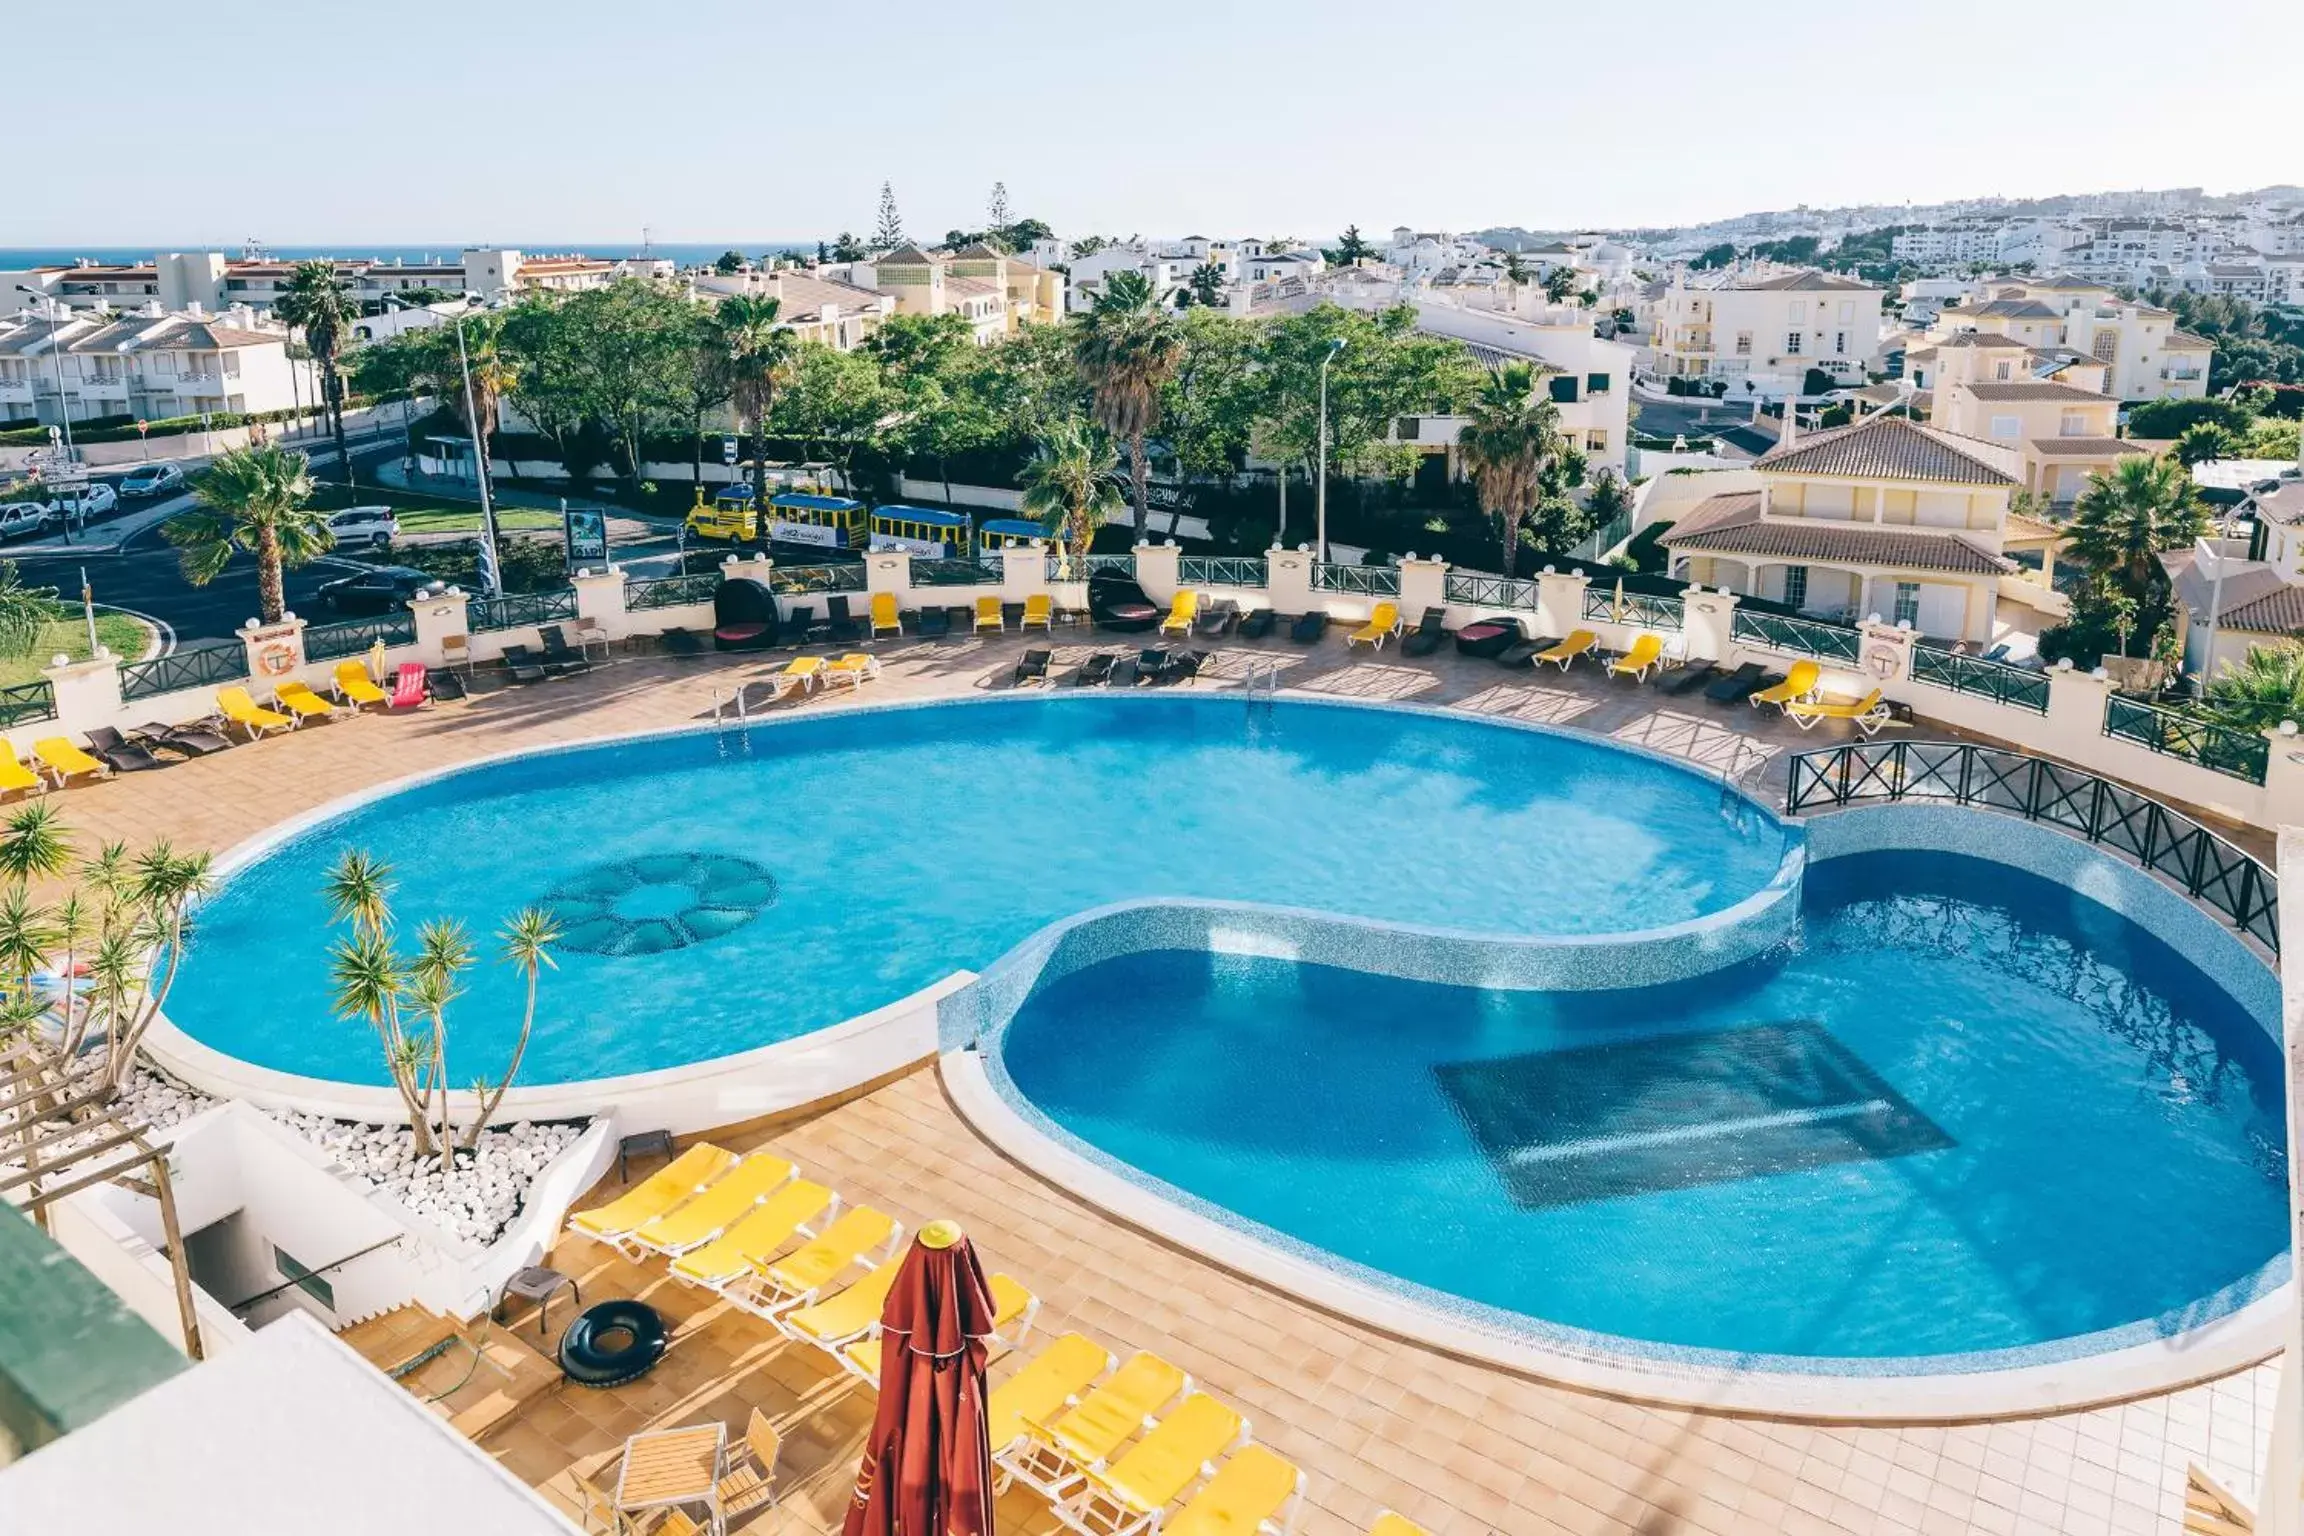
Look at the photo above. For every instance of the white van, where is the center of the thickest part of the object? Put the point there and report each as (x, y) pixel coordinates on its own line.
(372, 526)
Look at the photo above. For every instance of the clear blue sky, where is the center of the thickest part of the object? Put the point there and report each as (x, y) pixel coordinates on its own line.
(750, 121)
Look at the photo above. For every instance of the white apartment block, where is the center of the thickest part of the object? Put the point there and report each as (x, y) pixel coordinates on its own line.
(148, 365)
(1766, 330)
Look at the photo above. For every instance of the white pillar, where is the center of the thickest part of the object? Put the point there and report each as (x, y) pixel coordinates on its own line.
(1423, 584)
(1288, 580)
(1560, 602)
(1708, 624)
(1156, 571)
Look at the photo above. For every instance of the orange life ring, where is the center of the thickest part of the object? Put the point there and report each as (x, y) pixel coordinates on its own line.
(276, 659)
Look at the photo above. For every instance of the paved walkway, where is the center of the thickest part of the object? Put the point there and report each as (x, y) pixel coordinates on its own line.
(1460, 1447)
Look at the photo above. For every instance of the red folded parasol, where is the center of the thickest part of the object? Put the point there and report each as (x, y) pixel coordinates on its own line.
(927, 1467)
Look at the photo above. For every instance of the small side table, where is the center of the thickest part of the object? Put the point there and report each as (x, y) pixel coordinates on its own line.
(640, 1142)
(538, 1284)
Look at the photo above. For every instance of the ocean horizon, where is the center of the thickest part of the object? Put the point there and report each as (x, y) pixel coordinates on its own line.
(686, 253)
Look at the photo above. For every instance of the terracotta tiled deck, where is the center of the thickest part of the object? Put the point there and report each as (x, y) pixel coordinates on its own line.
(1462, 1448)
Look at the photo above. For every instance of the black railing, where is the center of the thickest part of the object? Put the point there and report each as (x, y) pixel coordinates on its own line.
(1646, 609)
(1223, 571)
(26, 702)
(1368, 580)
(2211, 870)
(1994, 680)
(1475, 590)
(325, 642)
(955, 573)
(670, 591)
(1807, 637)
(845, 576)
(209, 668)
(2220, 748)
(517, 610)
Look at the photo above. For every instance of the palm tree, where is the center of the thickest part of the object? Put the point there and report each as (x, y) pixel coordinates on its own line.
(1127, 348)
(254, 499)
(1070, 484)
(319, 303)
(2125, 519)
(2266, 687)
(759, 355)
(1513, 431)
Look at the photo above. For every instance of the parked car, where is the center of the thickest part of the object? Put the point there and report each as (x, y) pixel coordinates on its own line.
(385, 589)
(149, 480)
(372, 526)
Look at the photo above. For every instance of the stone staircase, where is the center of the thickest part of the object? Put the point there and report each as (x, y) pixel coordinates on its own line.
(476, 1377)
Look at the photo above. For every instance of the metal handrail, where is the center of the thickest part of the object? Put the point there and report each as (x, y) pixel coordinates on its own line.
(2209, 868)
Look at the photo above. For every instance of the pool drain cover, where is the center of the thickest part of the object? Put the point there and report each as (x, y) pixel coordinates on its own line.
(1636, 1117)
(661, 902)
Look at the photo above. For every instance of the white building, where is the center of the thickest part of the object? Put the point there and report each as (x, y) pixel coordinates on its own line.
(148, 365)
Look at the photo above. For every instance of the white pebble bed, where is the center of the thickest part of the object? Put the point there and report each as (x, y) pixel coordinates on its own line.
(475, 1201)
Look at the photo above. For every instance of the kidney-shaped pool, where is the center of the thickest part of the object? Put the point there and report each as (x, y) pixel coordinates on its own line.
(720, 891)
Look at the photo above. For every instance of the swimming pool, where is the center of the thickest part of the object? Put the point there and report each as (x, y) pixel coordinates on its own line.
(1970, 1120)
(722, 891)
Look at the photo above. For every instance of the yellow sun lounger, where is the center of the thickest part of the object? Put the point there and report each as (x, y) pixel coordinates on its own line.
(355, 687)
(698, 1221)
(799, 1279)
(1011, 1303)
(681, 1179)
(1381, 625)
(1646, 655)
(1053, 1457)
(1039, 612)
(753, 1238)
(1181, 613)
(990, 615)
(1128, 1496)
(249, 715)
(1049, 1382)
(852, 669)
(885, 620)
(1569, 649)
(800, 674)
(1798, 683)
(1867, 714)
(844, 1315)
(14, 775)
(300, 700)
(1243, 1498)
(61, 758)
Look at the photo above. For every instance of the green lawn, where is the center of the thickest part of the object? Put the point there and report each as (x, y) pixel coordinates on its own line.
(123, 636)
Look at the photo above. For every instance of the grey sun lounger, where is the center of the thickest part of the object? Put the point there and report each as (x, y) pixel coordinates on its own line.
(1687, 679)
(1738, 685)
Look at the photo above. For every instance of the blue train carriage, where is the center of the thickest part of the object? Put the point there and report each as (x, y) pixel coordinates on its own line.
(926, 532)
(1000, 532)
(812, 521)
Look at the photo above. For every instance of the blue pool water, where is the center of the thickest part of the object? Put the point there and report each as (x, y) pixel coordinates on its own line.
(1968, 1110)
(722, 891)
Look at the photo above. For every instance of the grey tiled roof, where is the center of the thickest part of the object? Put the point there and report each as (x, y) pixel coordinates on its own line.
(1732, 524)
(1886, 448)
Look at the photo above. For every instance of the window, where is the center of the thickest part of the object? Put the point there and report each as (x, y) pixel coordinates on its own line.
(306, 1281)
(1596, 439)
(1792, 343)
(1596, 383)
(1796, 586)
(1908, 603)
(2007, 426)
(1743, 343)
(1840, 343)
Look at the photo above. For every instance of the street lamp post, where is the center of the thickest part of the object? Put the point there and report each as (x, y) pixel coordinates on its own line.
(491, 572)
(1320, 493)
(63, 411)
